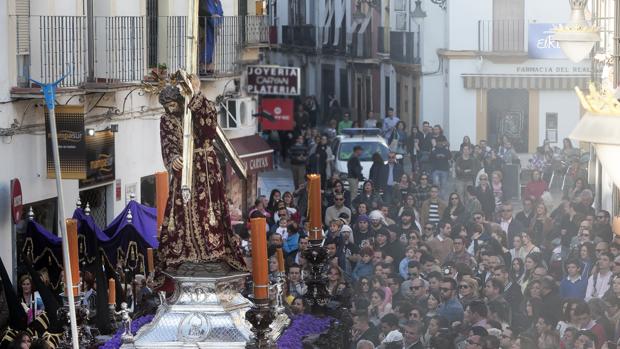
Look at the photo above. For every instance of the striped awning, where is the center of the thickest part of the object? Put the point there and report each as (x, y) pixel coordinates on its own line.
(529, 82)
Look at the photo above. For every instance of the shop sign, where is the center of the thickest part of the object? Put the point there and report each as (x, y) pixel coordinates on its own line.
(255, 163)
(540, 42)
(273, 80)
(282, 110)
(71, 142)
(100, 159)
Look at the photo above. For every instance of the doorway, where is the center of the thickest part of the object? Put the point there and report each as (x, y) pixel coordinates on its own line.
(508, 115)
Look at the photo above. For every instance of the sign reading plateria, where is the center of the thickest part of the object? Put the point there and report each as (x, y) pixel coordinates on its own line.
(273, 80)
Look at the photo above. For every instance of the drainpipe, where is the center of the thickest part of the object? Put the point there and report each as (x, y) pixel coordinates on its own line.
(91, 41)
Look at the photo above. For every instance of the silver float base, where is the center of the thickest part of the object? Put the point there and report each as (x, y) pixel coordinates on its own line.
(206, 310)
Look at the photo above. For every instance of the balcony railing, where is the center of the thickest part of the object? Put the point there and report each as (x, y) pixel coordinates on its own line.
(256, 30)
(361, 44)
(502, 36)
(62, 43)
(383, 40)
(405, 47)
(124, 47)
(119, 48)
(299, 35)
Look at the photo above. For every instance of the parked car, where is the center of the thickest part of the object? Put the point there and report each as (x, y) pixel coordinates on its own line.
(369, 139)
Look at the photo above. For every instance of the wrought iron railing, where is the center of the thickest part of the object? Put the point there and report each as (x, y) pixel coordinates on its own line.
(299, 35)
(383, 40)
(62, 44)
(361, 44)
(405, 47)
(119, 48)
(502, 36)
(124, 47)
(256, 30)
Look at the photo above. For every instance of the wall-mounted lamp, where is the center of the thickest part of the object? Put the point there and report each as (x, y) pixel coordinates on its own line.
(90, 131)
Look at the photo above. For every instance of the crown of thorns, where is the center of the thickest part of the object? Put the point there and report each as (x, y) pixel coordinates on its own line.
(170, 93)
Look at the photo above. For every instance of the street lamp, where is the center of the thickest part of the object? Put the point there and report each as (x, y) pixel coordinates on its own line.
(418, 14)
(577, 38)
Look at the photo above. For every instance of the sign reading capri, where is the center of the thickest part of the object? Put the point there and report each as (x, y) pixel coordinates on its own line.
(273, 80)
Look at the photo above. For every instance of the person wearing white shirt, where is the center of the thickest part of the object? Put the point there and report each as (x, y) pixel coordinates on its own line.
(599, 282)
(389, 124)
(371, 121)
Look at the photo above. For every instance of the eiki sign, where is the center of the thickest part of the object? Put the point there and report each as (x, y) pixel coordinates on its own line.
(540, 42)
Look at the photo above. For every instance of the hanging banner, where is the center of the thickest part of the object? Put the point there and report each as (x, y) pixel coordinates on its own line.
(282, 110)
(100, 159)
(273, 80)
(71, 142)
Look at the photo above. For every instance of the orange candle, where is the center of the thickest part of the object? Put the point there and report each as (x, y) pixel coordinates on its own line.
(74, 258)
(280, 255)
(161, 193)
(314, 206)
(259, 258)
(149, 260)
(111, 291)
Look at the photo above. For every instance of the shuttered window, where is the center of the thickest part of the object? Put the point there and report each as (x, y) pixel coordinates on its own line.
(22, 12)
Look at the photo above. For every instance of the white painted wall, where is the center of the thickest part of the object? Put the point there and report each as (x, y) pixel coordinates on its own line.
(566, 104)
(7, 57)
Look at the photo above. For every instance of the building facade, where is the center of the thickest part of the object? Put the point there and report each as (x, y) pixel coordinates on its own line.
(353, 53)
(108, 50)
(500, 73)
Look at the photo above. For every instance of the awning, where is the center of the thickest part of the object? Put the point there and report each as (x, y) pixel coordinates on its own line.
(529, 82)
(254, 152)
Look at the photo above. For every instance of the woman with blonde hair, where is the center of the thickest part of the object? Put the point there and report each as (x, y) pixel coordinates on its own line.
(468, 291)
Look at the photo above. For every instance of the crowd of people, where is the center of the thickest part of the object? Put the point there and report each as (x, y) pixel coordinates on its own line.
(434, 255)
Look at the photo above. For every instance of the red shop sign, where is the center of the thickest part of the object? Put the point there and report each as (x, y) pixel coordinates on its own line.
(282, 110)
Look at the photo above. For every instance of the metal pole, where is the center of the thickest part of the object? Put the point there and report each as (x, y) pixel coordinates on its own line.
(63, 229)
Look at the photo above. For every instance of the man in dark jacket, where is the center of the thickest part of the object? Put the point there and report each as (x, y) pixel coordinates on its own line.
(440, 163)
(354, 170)
(299, 156)
(392, 171)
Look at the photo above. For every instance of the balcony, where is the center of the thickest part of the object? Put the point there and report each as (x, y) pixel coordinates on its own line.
(361, 45)
(383, 40)
(405, 47)
(333, 40)
(302, 36)
(120, 49)
(504, 37)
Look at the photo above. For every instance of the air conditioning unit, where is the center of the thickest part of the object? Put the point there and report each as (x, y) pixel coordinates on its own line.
(237, 112)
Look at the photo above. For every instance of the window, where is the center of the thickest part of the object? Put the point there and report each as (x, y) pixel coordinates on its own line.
(551, 121)
(147, 191)
(45, 213)
(346, 149)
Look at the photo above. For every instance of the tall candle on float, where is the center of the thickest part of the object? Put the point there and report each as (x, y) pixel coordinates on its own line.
(280, 255)
(314, 207)
(72, 237)
(149, 260)
(260, 275)
(111, 291)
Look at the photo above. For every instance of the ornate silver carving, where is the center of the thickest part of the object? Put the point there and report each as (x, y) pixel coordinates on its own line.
(205, 311)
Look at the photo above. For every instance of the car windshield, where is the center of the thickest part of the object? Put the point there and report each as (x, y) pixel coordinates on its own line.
(346, 149)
